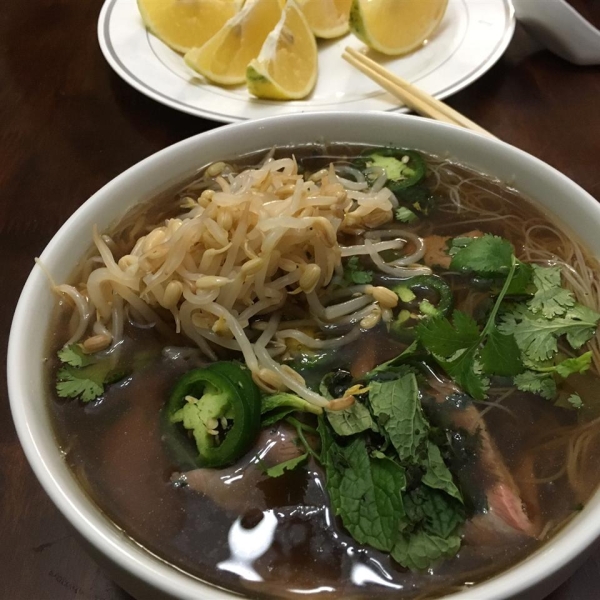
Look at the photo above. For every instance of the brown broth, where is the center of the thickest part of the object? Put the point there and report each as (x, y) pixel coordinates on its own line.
(115, 449)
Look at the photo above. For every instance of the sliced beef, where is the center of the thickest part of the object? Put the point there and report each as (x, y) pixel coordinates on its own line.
(508, 512)
(237, 488)
(436, 254)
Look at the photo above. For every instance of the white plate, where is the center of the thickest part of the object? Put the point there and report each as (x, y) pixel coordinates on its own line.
(470, 39)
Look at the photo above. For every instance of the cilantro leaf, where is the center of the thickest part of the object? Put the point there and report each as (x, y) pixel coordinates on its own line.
(537, 336)
(442, 338)
(539, 378)
(482, 255)
(74, 356)
(542, 384)
(466, 370)
(349, 421)
(575, 401)
(457, 349)
(405, 215)
(577, 364)
(288, 465)
(522, 282)
(581, 325)
(419, 550)
(84, 376)
(569, 366)
(355, 274)
(550, 299)
(370, 497)
(399, 413)
(83, 383)
(501, 355)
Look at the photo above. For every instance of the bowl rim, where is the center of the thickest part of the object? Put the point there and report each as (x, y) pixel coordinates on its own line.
(564, 548)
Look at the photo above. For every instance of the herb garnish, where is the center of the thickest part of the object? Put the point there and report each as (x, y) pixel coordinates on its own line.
(355, 274)
(84, 376)
(392, 489)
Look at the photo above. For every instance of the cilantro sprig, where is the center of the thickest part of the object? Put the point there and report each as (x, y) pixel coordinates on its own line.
(520, 338)
(467, 354)
(83, 376)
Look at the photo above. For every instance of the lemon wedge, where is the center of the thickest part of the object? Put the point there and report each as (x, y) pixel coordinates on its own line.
(395, 26)
(224, 57)
(327, 18)
(286, 68)
(183, 24)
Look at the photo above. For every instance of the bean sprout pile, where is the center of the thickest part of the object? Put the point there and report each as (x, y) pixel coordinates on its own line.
(249, 242)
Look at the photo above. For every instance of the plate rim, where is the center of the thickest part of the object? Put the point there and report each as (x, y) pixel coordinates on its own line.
(112, 58)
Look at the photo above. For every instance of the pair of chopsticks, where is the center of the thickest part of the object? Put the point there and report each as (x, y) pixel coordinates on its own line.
(411, 96)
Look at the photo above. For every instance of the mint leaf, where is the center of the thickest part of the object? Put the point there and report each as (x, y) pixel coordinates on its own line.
(288, 465)
(542, 384)
(437, 474)
(74, 356)
(483, 255)
(420, 550)
(355, 274)
(433, 511)
(501, 355)
(333, 461)
(370, 497)
(398, 410)
(349, 421)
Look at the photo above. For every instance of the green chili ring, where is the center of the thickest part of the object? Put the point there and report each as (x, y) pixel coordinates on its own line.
(234, 395)
(415, 164)
(405, 322)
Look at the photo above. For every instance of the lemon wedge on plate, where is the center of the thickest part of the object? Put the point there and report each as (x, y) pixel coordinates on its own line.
(224, 58)
(286, 68)
(183, 24)
(327, 18)
(395, 26)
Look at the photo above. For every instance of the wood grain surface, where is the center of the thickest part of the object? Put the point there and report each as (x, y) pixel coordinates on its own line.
(68, 125)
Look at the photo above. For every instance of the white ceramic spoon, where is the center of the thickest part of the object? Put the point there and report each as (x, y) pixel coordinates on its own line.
(561, 29)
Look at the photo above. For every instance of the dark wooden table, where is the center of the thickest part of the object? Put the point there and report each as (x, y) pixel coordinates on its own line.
(68, 125)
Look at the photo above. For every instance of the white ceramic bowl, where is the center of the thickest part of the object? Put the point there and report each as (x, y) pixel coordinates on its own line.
(136, 570)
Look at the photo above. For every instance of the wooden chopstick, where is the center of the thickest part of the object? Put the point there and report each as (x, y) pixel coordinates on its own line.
(413, 97)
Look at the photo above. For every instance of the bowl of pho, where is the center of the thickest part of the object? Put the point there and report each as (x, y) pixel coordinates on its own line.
(328, 355)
